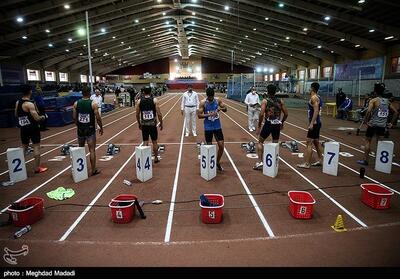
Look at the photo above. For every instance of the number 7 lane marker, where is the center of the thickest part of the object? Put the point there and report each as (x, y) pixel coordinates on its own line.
(84, 212)
(341, 164)
(309, 181)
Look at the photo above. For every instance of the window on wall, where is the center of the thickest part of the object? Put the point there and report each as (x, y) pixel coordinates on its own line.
(277, 76)
(284, 76)
(301, 75)
(265, 77)
(49, 76)
(33, 74)
(84, 78)
(327, 72)
(271, 77)
(313, 73)
(396, 65)
(63, 77)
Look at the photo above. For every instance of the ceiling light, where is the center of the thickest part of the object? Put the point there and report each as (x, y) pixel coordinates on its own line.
(113, 37)
(275, 44)
(143, 29)
(287, 38)
(213, 35)
(169, 29)
(319, 46)
(327, 18)
(103, 30)
(258, 69)
(217, 28)
(67, 6)
(193, 13)
(371, 30)
(148, 35)
(50, 45)
(20, 19)
(69, 39)
(122, 43)
(167, 22)
(159, 1)
(281, 5)
(220, 20)
(194, 1)
(164, 13)
(226, 8)
(67, 50)
(271, 70)
(305, 29)
(332, 51)
(96, 50)
(357, 46)
(81, 32)
(240, 42)
(291, 54)
(84, 45)
(280, 58)
(81, 53)
(175, 60)
(136, 21)
(342, 40)
(246, 36)
(254, 29)
(47, 31)
(24, 37)
(303, 51)
(390, 37)
(267, 18)
(193, 22)
(361, 1)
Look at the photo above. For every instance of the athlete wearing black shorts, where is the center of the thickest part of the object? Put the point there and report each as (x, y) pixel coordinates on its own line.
(28, 121)
(271, 110)
(147, 112)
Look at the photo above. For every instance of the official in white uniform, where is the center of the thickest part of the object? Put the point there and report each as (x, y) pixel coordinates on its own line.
(189, 106)
(98, 99)
(253, 108)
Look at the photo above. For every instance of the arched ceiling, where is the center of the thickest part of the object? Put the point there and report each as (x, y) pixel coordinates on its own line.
(275, 33)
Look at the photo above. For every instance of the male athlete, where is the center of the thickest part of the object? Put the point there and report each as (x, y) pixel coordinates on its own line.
(208, 109)
(85, 113)
(271, 109)
(28, 120)
(147, 112)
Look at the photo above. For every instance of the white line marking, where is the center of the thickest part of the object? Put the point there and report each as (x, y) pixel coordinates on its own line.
(343, 165)
(72, 227)
(173, 196)
(47, 181)
(301, 128)
(253, 201)
(137, 144)
(309, 181)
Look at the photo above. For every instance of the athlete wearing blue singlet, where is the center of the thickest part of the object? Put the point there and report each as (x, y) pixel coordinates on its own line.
(314, 126)
(208, 110)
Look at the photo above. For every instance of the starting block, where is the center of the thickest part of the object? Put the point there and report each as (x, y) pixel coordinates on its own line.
(291, 145)
(65, 149)
(208, 161)
(16, 164)
(271, 159)
(78, 164)
(250, 147)
(112, 149)
(28, 150)
(161, 148)
(384, 156)
(331, 158)
(144, 164)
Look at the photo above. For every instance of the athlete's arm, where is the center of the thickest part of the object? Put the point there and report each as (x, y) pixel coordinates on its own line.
(315, 104)
(159, 115)
(261, 116)
(74, 114)
(16, 109)
(200, 111)
(222, 106)
(32, 110)
(394, 116)
(95, 107)
(285, 113)
(371, 106)
(138, 114)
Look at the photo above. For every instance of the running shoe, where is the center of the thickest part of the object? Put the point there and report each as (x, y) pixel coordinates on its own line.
(258, 166)
(303, 166)
(316, 164)
(40, 169)
(362, 162)
(219, 167)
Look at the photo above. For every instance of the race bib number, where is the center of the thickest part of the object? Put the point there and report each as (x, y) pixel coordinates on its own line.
(23, 121)
(383, 113)
(275, 121)
(148, 115)
(84, 117)
(213, 118)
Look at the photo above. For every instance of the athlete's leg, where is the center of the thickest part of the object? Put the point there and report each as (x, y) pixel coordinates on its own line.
(92, 149)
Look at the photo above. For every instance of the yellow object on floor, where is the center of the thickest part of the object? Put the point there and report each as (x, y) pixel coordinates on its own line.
(339, 224)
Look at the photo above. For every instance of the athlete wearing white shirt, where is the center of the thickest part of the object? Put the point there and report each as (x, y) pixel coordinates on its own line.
(98, 100)
(253, 108)
(190, 105)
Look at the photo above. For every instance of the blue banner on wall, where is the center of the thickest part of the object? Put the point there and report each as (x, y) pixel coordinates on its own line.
(370, 69)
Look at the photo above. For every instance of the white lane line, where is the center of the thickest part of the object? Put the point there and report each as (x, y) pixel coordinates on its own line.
(343, 165)
(136, 144)
(47, 181)
(310, 182)
(60, 145)
(84, 212)
(253, 201)
(174, 189)
(301, 128)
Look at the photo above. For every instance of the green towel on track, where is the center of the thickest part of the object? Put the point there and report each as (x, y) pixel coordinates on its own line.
(61, 194)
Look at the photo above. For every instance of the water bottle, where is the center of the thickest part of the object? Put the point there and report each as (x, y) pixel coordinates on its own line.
(362, 172)
(204, 200)
(7, 183)
(22, 231)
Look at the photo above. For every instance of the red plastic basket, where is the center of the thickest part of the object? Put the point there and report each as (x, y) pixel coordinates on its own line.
(29, 215)
(123, 208)
(376, 196)
(301, 204)
(212, 214)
